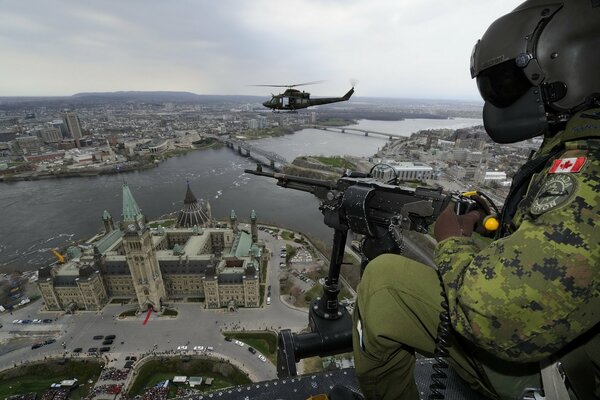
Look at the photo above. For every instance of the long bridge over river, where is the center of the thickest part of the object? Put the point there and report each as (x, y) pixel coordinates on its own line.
(276, 162)
(366, 132)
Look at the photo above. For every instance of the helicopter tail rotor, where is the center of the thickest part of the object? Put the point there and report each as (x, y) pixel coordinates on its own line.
(353, 82)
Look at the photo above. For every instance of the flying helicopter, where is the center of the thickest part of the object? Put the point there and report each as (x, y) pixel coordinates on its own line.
(294, 99)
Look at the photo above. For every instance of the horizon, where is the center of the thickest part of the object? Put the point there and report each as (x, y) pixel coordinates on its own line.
(227, 95)
(394, 49)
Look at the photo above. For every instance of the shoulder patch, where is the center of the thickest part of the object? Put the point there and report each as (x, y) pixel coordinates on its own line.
(554, 192)
(567, 165)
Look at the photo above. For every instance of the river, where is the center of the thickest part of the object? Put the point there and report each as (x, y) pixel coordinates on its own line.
(36, 216)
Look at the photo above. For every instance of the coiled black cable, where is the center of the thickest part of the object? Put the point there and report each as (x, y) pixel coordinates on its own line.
(442, 342)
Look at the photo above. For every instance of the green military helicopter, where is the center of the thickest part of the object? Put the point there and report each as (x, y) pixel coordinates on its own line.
(294, 99)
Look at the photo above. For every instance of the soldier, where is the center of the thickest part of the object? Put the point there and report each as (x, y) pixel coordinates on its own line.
(532, 296)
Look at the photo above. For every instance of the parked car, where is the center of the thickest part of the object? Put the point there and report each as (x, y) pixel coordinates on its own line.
(17, 321)
(182, 348)
(110, 337)
(107, 342)
(252, 350)
(49, 341)
(26, 321)
(77, 350)
(262, 358)
(47, 321)
(93, 350)
(199, 348)
(98, 337)
(36, 345)
(104, 349)
(37, 321)
(209, 348)
(227, 339)
(238, 343)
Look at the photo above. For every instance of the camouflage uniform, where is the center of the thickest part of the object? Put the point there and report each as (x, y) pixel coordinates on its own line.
(520, 299)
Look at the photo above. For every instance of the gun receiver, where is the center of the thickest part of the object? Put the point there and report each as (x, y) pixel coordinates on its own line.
(379, 212)
(368, 207)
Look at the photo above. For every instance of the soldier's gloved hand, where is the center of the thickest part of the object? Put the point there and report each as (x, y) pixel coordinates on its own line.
(449, 224)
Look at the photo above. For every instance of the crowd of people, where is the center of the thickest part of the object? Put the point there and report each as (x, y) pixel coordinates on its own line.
(105, 389)
(56, 394)
(154, 393)
(114, 374)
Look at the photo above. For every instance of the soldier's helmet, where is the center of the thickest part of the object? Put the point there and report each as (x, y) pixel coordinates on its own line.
(538, 65)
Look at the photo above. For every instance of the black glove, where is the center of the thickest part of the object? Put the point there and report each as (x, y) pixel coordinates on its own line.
(449, 224)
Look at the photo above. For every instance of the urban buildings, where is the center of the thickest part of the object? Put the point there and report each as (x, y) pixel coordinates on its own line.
(194, 259)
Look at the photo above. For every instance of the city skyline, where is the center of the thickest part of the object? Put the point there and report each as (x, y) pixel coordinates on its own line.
(395, 49)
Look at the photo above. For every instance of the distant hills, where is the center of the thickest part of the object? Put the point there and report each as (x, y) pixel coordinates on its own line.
(134, 96)
(160, 96)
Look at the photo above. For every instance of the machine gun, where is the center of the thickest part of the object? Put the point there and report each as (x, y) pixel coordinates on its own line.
(378, 211)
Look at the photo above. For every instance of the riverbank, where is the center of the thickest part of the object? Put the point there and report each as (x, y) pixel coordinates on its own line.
(130, 166)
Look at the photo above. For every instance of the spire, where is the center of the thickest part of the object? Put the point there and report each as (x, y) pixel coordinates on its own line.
(192, 212)
(253, 215)
(106, 215)
(131, 211)
(232, 215)
(189, 196)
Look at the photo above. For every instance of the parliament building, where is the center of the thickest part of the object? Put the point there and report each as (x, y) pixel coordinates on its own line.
(196, 259)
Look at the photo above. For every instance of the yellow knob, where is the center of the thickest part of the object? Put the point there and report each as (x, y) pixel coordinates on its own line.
(491, 223)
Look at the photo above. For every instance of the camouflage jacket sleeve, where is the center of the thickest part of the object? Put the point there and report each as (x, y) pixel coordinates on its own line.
(525, 296)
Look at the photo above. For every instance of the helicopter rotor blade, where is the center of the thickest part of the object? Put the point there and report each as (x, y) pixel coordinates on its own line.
(354, 82)
(306, 83)
(291, 86)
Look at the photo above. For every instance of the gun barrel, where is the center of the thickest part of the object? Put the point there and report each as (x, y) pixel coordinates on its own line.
(288, 180)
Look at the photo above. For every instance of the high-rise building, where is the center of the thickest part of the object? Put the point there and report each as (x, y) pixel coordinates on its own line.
(50, 134)
(73, 127)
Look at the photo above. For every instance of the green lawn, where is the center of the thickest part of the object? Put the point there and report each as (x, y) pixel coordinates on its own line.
(335, 161)
(224, 374)
(38, 377)
(263, 341)
(287, 235)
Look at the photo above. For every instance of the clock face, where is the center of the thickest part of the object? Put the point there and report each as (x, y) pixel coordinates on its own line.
(131, 227)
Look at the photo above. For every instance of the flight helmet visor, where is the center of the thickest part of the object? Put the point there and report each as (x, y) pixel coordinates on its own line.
(503, 84)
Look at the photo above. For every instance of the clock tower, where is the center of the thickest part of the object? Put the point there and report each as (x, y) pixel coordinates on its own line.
(141, 258)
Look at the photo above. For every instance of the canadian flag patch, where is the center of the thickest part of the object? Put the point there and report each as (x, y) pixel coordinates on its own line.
(567, 165)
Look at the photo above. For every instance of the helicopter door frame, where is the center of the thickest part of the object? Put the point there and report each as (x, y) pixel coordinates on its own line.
(285, 101)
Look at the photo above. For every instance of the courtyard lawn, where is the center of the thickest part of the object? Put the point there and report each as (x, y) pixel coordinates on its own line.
(38, 377)
(152, 372)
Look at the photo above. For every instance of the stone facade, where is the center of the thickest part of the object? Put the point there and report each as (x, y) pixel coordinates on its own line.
(217, 265)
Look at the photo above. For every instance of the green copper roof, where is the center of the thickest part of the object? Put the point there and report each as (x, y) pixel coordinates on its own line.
(241, 245)
(107, 241)
(131, 211)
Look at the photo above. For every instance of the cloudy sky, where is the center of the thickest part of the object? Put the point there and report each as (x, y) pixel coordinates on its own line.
(394, 48)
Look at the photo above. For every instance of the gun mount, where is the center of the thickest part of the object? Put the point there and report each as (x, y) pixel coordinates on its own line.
(380, 212)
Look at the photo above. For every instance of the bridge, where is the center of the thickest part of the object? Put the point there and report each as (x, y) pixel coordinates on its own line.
(365, 132)
(248, 150)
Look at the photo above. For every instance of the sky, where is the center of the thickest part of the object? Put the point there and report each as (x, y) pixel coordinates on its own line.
(394, 48)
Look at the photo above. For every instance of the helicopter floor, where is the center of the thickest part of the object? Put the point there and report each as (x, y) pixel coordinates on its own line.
(302, 387)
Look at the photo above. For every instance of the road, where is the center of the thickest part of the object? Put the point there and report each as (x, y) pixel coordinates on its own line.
(194, 326)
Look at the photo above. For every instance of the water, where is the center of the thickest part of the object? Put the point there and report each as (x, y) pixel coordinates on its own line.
(39, 215)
